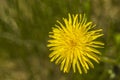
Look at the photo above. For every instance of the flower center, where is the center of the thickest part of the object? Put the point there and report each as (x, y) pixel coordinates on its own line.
(72, 43)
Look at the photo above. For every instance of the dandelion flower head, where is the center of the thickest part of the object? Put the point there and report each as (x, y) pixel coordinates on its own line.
(73, 44)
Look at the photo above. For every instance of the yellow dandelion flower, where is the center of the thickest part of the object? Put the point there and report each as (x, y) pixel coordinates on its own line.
(73, 44)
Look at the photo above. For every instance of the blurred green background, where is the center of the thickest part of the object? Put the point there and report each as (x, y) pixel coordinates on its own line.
(24, 27)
